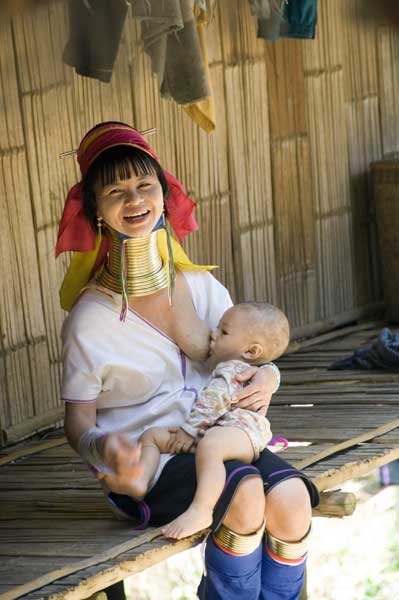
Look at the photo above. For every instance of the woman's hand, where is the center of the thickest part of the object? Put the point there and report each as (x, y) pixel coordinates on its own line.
(123, 458)
(258, 393)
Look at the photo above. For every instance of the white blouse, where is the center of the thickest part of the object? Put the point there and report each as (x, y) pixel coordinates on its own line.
(137, 375)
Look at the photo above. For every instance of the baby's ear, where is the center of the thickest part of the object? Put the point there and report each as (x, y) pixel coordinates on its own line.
(253, 352)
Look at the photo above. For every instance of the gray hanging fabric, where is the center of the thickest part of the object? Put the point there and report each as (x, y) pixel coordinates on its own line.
(261, 8)
(170, 38)
(95, 32)
(269, 28)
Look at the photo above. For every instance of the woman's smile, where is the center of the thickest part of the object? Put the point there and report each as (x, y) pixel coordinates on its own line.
(138, 217)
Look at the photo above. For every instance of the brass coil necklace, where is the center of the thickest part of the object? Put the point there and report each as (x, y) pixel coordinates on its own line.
(134, 266)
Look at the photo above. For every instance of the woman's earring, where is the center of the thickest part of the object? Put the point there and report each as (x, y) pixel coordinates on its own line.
(99, 223)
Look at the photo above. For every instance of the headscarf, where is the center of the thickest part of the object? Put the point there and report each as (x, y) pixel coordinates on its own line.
(77, 234)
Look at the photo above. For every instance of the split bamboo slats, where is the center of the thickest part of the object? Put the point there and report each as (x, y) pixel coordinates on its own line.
(281, 186)
(59, 539)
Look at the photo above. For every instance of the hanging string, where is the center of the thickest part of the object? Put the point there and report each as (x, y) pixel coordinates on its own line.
(171, 263)
(123, 278)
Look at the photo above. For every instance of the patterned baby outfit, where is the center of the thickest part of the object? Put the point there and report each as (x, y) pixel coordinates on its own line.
(215, 407)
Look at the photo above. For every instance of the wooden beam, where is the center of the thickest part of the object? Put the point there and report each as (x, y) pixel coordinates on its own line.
(32, 450)
(344, 318)
(331, 335)
(16, 433)
(335, 504)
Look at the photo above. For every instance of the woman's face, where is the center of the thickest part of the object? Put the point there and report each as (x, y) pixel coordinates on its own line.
(131, 206)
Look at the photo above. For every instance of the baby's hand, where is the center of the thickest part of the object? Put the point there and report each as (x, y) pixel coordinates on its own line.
(180, 442)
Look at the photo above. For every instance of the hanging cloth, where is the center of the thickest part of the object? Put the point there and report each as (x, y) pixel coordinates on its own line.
(287, 18)
(175, 42)
(95, 31)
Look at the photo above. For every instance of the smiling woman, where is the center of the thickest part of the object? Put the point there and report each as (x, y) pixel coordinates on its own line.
(121, 378)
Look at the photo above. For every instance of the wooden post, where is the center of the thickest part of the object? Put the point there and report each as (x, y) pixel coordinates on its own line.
(335, 504)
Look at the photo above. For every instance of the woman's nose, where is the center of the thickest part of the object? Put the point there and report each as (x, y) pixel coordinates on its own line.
(133, 195)
(213, 335)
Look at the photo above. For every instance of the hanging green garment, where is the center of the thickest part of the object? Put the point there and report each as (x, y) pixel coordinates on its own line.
(290, 19)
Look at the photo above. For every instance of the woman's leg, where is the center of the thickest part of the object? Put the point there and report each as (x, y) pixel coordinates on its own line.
(218, 445)
(288, 516)
(241, 507)
(233, 555)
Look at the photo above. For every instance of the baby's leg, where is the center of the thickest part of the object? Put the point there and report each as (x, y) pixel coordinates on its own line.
(218, 444)
(153, 442)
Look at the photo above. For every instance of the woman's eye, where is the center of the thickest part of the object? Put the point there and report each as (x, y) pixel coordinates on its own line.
(145, 184)
(115, 191)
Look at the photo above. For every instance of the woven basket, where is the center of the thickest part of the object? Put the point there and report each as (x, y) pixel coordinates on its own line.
(386, 198)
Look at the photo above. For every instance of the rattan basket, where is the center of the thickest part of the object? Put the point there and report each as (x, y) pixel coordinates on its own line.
(386, 199)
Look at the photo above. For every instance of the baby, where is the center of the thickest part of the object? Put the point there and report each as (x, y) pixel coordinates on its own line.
(248, 334)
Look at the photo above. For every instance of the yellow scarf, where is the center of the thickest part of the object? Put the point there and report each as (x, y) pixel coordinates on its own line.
(82, 264)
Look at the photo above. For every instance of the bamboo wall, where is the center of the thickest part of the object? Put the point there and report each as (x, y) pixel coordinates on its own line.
(281, 186)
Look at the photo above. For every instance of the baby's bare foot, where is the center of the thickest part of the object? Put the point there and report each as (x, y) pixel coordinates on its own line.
(194, 519)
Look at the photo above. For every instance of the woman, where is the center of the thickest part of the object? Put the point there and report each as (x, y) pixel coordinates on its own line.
(131, 350)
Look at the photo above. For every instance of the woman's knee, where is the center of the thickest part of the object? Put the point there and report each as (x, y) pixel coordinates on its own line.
(288, 510)
(246, 512)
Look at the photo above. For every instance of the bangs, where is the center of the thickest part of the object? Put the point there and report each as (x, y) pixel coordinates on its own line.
(121, 163)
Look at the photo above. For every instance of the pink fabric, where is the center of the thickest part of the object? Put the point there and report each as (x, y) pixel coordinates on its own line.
(75, 232)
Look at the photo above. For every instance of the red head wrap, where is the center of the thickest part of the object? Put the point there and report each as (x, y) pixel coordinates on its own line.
(75, 232)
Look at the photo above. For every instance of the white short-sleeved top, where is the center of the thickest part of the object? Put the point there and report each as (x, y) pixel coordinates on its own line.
(137, 375)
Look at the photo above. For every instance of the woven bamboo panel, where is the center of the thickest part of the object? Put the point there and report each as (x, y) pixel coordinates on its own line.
(388, 55)
(11, 134)
(326, 52)
(359, 33)
(41, 34)
(286, 87)
(246, 90)
(281, 186)
(364, 142)
(238, 33)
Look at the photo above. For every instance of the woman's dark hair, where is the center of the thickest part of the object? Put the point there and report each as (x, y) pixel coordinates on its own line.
(119, 162)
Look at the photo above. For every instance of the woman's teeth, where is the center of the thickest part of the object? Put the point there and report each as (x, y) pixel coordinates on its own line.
(137, 216)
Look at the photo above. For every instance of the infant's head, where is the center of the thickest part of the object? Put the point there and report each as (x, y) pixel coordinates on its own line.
(254, 332)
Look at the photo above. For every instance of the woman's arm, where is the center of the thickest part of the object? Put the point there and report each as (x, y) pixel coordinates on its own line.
(79, 417)
(258, 393)
(120, 457)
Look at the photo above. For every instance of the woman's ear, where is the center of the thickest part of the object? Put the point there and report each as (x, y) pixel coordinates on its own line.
(254, 352)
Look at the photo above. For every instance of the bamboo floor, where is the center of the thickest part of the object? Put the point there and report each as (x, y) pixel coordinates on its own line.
(58, 538)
